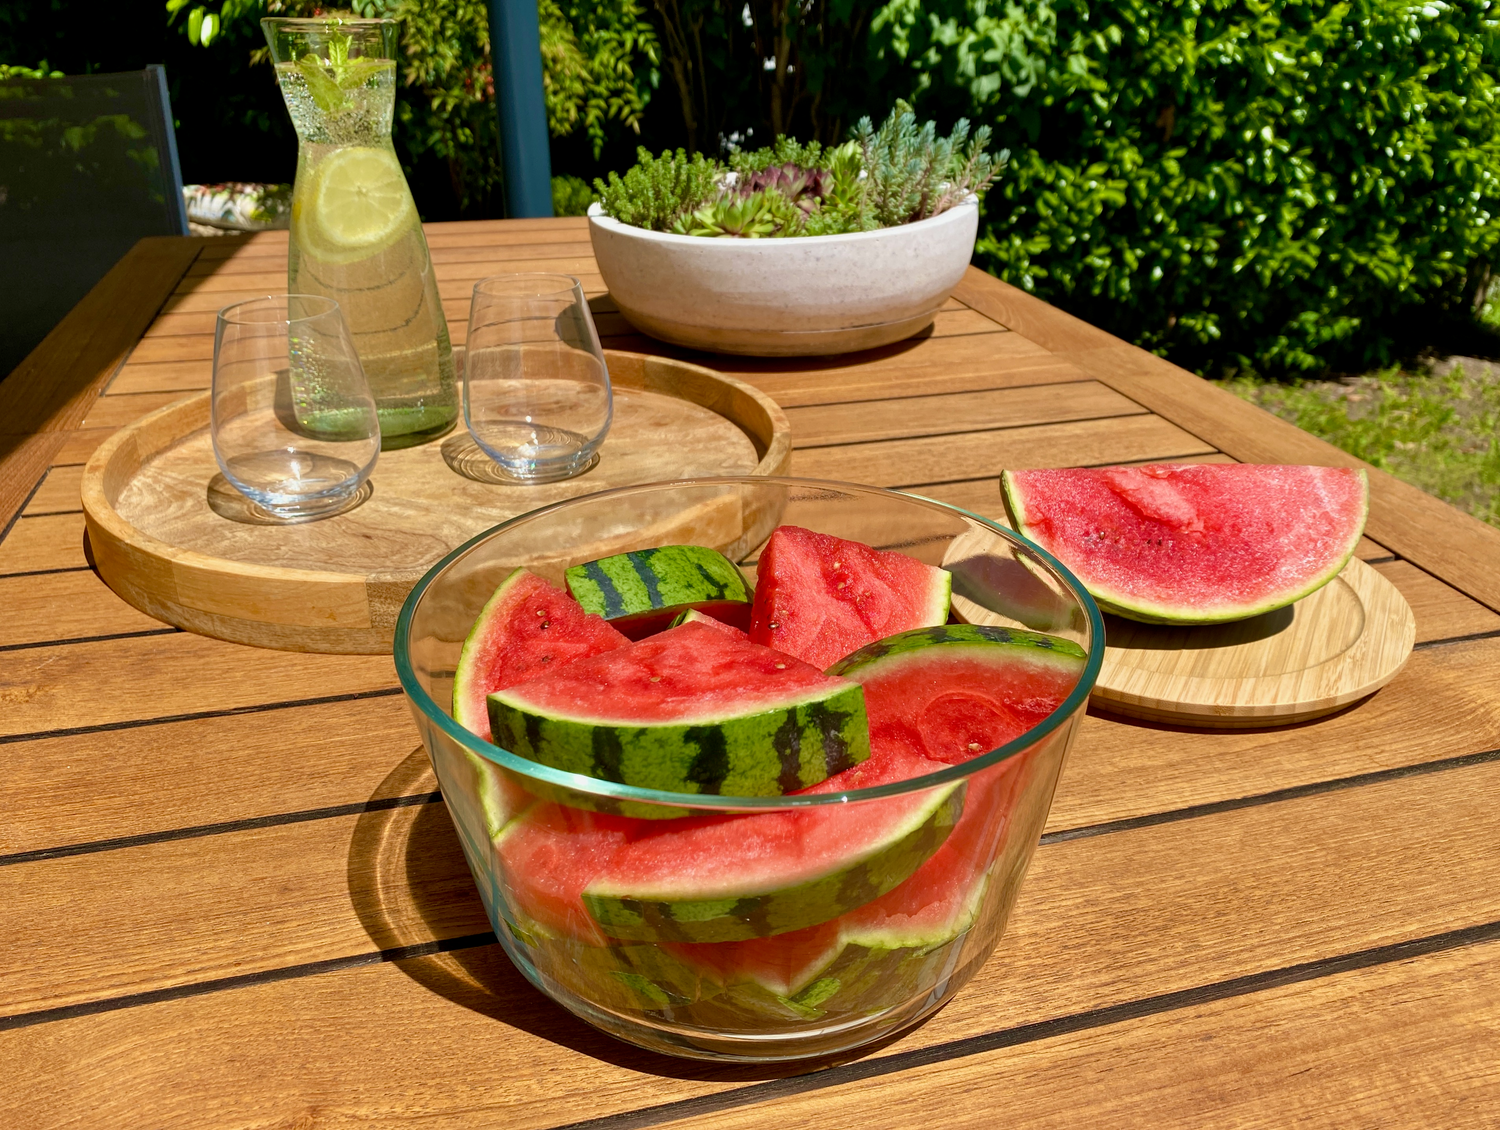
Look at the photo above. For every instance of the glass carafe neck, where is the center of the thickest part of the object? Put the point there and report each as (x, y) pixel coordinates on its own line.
(338, 78)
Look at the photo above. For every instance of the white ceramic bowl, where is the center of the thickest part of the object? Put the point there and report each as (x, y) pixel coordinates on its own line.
(785, 297)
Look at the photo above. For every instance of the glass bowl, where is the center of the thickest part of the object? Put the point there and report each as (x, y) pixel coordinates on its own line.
(879, 959)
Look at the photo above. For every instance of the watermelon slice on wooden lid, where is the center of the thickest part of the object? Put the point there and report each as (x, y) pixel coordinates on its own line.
(821, 598)
(1193, 543)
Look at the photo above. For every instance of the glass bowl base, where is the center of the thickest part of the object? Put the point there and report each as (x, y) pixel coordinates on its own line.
(808, 1042)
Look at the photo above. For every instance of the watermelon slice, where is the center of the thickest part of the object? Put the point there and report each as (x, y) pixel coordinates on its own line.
(526, 629)
(726, 878)
(820, 597)
(995, 683)
(690, 710)
(719, 878)
(1193, 543)
(960, 690)
(548, 853)
(641, 592)
(693, 616)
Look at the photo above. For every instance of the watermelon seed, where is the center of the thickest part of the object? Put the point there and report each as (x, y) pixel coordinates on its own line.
(781, 666)
(656, 678)
(975, 746)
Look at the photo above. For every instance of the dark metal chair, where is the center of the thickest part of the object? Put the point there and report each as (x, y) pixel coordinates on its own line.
(88, 165)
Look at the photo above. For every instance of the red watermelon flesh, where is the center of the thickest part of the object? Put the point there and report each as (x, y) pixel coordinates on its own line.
(941, 899)
(528, 628)
(552, 853)
(684, 674)
(820, 597)
(549, 854)
(966, 706)
(929, 715)
(1194, 542)
(713, 857)
(936, 904)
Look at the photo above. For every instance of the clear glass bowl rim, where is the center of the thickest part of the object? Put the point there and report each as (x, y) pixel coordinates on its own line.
(592, 786)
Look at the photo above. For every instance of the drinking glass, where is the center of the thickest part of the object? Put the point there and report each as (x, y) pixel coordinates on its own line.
(294, 422)
(535, 389)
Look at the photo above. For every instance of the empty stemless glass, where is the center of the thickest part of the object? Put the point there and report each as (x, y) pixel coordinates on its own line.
(536, 388)
(294, 423)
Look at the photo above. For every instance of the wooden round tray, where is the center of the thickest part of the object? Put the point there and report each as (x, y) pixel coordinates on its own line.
(175, 540)
(1334, 647)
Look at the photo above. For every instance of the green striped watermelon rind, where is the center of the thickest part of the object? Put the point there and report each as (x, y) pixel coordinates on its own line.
(1118, 604)
(648, 581)
(768, 752)
(694, 616)
(915, 643)
(659, 916)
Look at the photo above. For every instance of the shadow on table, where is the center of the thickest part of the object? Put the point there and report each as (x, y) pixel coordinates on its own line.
(617, 333)
(409, 884)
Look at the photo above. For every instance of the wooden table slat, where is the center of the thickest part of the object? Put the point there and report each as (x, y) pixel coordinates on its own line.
(139, 679)
(936, 459)
(157, 780)
(46, 542)
(1102, 922)
(832, 425)
(1296, 1054)
(57, 493)
(54, 607)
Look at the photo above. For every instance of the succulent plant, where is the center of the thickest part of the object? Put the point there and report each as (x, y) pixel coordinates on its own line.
(658, 191)
(758, 215)
(805, 188)
(913, 174)
(897, 174)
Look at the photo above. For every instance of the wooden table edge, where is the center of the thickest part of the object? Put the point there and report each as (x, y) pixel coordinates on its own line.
(52, 390)
(1432, 534)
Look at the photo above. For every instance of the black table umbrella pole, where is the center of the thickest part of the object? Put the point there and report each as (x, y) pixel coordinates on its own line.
(516, 52)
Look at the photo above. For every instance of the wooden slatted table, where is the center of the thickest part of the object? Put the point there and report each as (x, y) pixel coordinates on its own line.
(231, 896)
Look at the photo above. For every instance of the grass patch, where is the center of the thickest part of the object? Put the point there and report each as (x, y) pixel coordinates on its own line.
(1439, 431)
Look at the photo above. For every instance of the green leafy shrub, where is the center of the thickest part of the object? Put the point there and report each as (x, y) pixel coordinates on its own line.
(571, 196)
(598, 63)
(1284, 185)
(41, 70)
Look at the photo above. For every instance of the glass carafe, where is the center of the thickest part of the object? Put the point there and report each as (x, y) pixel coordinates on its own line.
(356, 236)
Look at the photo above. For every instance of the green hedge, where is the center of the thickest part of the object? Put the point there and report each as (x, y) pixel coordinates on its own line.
(1286, 185)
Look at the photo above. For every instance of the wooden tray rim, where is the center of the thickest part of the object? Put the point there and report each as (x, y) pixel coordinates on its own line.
(209, 594)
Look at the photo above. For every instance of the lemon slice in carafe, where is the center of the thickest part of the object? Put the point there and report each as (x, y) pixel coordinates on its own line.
(358, 204)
